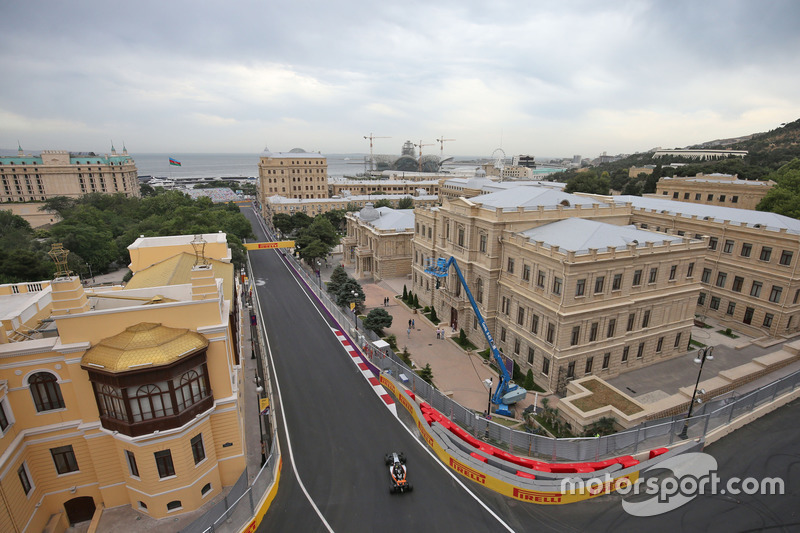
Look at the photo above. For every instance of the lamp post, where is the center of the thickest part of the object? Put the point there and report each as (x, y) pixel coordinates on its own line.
(319, 273)
(703, 354)
(259, 390)
(488, 383)
(90, 272)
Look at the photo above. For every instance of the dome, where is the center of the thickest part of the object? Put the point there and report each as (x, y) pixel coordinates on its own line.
(297, 151)
(144, 345)
(480, 173)
(369, 213)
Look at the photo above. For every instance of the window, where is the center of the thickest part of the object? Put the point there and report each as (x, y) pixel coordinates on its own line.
(540, 279)
(748, 315)
(5, 421)
(612, 326)
(576, 333)
(796, 296)
(710, 198)
(706, 277)
(712, 243)
(747, 248)
(722, 277)
(589, 361)
(673, 270)
(593, 332)
(728, 247)
(198, 451)
(64, 459)
(640, 351)
(46, 392)
(482, 243)
(461, 237)
(571, 370)
(637, 278)
(731, 308)
(734, 199)
(659, 344)
(755, 290)
(598, 284)
(786, 258)
(479, 290)
(617, 283)
(151, 402)
(580, 287)
(510, 265)
(714, 303)
(625, 351)
(766, 253)
(133, 468)
(737, 284)
(530, 355)
(677, 340)
(206, 489)
(631, 321)
(551, 330)
(545, 366)
(721, 197)
(557, 285)
(675, 194)
(653, 275)
(535, 324)
(701, 298)
(502, 334)
(606, 360)
(526, 272)
(768, 320)
(164, 463)
(690, 270)
(173, 505)
(775, 294)
(646, 319)
(520, 315)
(25, 478)
(686, 196)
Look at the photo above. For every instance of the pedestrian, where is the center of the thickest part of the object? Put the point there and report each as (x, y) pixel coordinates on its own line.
(412, 323)
(437, 333)
(408, 332)
(409, 323)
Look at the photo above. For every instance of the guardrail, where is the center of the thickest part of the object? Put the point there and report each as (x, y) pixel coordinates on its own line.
(647, 436)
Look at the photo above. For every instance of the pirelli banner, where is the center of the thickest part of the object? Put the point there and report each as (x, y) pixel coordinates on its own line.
(268, 245)
(541, 488)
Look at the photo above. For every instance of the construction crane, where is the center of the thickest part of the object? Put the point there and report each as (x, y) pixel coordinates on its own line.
(371, 158)
(506, 393)
(420, 145)
(441, 146)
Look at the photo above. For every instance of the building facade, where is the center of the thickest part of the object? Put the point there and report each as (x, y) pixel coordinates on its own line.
(350, 187)
(279, 204)
(118, 397)
(715, 189)
(292, 175)
(378, 242)
(36, 178)
(566, 286)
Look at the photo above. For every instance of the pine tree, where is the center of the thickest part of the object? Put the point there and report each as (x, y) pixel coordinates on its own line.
(405, 293)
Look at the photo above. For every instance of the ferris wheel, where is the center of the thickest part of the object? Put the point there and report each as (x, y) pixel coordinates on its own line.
(499, 158)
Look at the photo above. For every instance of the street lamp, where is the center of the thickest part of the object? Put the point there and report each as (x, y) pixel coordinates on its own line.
(259, 390)
(488, 383)
(353, 303)
(319, 272)
(703, 354)
(90, 272)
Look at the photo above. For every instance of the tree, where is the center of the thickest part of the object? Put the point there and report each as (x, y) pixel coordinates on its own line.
(529, 383)
(405, 293)
(405, 203)
(416, 302)
(427, 373)
(345, 295)
(337, 218)
(462, 337)
(378, 319)
(383, 202)
(338, 276)
(784, 197)
(589, 182)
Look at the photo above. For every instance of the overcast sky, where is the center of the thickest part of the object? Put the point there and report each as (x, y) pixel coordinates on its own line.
(547, 78)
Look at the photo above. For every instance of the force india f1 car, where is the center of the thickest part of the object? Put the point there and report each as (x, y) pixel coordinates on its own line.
(396, 462)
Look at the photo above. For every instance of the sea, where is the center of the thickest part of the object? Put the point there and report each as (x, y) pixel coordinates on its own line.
(246, 165)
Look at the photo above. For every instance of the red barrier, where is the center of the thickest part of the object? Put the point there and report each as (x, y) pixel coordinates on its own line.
(479, 457)
(657, 452)
(525, 475)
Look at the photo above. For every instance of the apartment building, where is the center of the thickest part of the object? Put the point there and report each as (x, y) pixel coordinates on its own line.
(750, 280)
(352, 187)
(292, 175)
(378, 242)
(314, 207)
(566, 285)
(121, 396)
(714, 189)
(36, 178)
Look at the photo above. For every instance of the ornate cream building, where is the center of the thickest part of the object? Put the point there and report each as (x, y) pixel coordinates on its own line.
(280, 204)
(566, 285)
(121, 396)
(350, 187)
(714, 189)
(378, 242)
(32, 178)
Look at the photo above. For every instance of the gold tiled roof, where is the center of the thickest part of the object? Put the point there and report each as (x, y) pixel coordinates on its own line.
(177, 270)
(145, 344)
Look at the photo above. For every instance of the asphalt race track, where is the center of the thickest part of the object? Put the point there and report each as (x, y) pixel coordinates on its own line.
(339, 431)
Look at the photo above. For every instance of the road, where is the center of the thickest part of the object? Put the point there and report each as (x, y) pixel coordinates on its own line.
(339, 430)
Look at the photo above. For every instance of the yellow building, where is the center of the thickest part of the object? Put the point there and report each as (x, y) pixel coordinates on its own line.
(121, 396)
(714, 189)
(36, 178)
(292, 175)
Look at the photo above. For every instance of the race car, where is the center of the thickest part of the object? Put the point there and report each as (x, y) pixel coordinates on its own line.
(396, 462)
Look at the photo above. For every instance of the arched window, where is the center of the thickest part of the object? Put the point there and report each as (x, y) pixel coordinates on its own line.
(111, 403)
(46, 391)
(151, 402)
(191, 389)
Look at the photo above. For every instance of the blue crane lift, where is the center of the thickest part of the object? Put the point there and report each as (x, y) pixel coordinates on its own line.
(506, 393)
